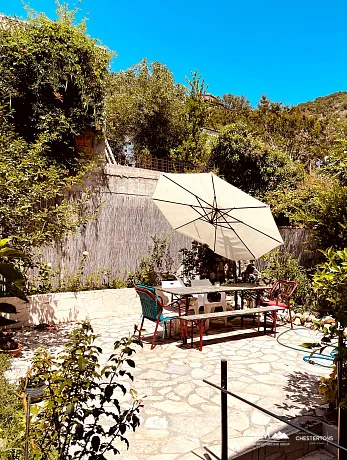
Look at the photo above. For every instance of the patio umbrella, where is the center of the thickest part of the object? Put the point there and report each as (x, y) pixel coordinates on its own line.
(209, 210)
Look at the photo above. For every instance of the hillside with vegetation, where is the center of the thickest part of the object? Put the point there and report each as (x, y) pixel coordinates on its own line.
(333, 104)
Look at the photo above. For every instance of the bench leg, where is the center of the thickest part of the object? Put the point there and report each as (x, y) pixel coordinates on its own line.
(202, 323)
(274, 323)
(192, 331)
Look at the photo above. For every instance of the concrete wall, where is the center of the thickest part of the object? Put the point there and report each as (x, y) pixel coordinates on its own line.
(74, 306)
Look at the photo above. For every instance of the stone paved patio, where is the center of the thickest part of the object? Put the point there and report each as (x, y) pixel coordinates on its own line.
(181, 414)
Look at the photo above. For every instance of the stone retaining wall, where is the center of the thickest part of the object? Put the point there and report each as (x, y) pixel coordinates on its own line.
(75, 306)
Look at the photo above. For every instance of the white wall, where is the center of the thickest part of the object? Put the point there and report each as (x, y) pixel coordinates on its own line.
(75, 306)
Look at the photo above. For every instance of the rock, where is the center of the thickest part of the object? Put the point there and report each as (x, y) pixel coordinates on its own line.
(298, 315)
(329, 320)
(297, 321)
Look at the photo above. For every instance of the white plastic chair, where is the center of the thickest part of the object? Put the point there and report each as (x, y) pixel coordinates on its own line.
(204, 302)
(193, 302)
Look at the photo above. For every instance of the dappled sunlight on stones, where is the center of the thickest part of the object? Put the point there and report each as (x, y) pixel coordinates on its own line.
(259, 418)
(181, 413)
(181, 444)
(261, 368)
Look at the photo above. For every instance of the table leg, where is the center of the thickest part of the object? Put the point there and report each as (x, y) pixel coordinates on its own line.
(264, 323)
(192, 330)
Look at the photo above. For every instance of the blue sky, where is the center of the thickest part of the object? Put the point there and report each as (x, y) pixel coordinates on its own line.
(291, 51)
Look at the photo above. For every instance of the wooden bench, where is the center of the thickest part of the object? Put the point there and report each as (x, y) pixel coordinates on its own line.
(200, 319)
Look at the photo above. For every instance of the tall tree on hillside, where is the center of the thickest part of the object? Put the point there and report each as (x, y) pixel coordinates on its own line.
(230, 109)
(193, 147)
(146, 104)
(250, 164)
(303, 137)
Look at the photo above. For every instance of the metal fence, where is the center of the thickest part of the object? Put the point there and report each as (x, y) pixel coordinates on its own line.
(223, 388)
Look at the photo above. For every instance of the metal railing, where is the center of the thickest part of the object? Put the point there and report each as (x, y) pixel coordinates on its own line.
(223, 388)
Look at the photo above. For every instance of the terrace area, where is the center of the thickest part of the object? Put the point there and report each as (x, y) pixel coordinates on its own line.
(180, 418)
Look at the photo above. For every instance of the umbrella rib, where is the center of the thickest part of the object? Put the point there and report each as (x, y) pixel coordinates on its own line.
(238, 236)
(196, 196)
(247, 225)
(187, 223)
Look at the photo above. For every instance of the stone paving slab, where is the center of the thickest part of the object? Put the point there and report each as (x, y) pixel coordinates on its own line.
(181, 413)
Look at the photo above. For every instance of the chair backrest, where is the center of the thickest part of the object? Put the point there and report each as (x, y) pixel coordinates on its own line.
(150, 304)
(203, 298)
(282, 291)
(197, 283)
(173, 283)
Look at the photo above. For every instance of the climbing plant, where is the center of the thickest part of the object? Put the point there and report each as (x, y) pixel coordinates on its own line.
(53, 78)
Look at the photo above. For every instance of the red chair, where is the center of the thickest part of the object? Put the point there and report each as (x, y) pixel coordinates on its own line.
(280, 295)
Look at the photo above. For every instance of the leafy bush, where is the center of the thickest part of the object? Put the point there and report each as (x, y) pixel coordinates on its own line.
(329, 284)
(282, 265)
(80, 395)
(50, 280)
(12, 422)
(53, 80)
(151, 268)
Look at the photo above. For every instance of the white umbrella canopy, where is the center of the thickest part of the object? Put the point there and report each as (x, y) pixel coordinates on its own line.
(209, 210)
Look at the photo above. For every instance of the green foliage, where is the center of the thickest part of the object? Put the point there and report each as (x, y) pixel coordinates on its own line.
(12, 277)
(51, 91)
(335, 104)
(79, 395)
(328, 388)
(50, 280)
(251, 165)
(201, 261)
(282, 265)
(193, 147)
(53, 81)
(145, 104)
(151, 268)
(330, 286)
(34, 205)
(229, 109)
(12, 422)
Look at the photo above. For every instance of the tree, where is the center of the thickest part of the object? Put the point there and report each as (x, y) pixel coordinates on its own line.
(146, 104)
(34, 206)
(230, 109)
(53, 79)
(250, 164)
(303, 137)
(193, 147)
(51, 90)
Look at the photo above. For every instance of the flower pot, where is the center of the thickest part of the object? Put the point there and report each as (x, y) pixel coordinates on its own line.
(16, 351)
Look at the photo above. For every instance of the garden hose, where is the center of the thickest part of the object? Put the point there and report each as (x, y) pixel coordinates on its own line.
(308, 359)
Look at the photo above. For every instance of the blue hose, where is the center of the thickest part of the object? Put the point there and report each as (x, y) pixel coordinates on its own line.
(306, 358)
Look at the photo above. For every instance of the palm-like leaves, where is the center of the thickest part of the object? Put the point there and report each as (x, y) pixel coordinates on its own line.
(13, 278)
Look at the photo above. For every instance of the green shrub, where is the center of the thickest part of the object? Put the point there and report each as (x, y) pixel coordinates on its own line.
(12, 420)
(282, 265)
(80, 394)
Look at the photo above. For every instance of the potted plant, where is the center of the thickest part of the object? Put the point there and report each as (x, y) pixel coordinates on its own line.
(14, 283)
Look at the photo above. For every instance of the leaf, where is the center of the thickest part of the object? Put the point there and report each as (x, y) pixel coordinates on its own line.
(70, 409)
(12, 253)
(95, 442)
(79, 430)
(108, 392)
(130, 362)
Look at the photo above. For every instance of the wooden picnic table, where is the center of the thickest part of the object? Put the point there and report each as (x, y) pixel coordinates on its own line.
(186, 292)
